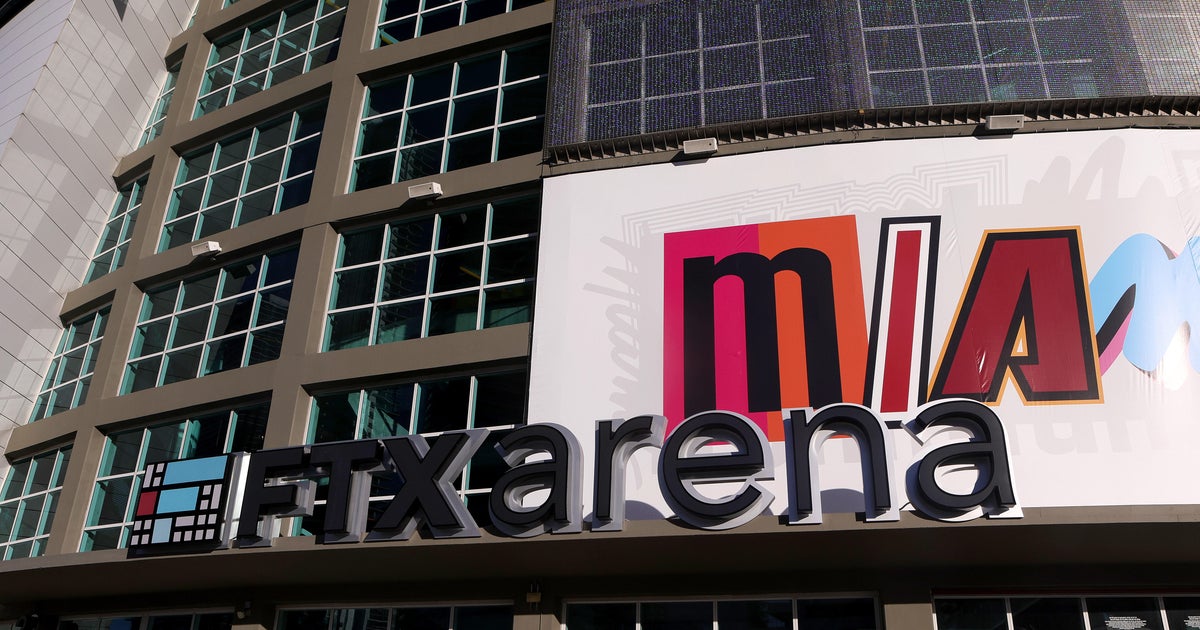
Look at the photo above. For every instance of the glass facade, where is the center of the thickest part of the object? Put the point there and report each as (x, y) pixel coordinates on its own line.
(157, 621)
(28, 502)
(113, 248)
(245, 177)
(626, 68)
(70, 374)
(991, 50)
(458, 270)
(225, 319)
(470, 112)
(303, 36)
(844, 613)
(126, 454)
(428, 407)
(401, 20)
(158, 115)
(459, 617)
(1101, 612)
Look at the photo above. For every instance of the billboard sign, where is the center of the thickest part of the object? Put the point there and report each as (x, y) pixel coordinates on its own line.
(1049, 279)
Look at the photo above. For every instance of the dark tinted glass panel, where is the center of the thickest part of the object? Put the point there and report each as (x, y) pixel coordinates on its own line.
(1063, 613)
(1118, 613)
(753, 615)
(677, 616)
(836, 614)
(601, 616)
(970, 614)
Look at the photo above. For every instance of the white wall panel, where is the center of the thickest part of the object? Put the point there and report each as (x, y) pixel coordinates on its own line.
(75, 91)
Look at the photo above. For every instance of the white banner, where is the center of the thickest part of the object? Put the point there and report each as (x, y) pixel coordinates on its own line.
(1051, 276)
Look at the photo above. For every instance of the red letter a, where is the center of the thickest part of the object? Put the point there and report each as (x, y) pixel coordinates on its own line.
(1024, 311)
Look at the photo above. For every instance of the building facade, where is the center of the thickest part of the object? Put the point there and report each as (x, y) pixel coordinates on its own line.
(606, 314)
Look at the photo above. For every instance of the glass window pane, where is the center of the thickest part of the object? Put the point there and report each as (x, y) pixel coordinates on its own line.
(677, 616)
(121, 453)
(1064, 613)
(478, 73)
(110, 500)
(836, 614)
(362, 246)
(410, 237)
(471, 150)
(482, 617)
(405, 278)
(354, 287)
(334, 417)
(349, 329)
(442, 405)
(458, 270)
(970, 614)
(453, 313)
(421, 618)
(500, 399)
(398, 322)
(754, 615)
(14, 485)
(387, 411)
(225, 354)
(250, 428)
(1119, 613)
(601, 616)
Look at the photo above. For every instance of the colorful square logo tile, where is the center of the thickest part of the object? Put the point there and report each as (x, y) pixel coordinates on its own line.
(182, 502)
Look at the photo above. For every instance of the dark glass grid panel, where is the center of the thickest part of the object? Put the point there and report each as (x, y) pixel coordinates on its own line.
(627, 68)
(287, 44)
(113, 247)
(70, 374)
(158, 115)
(841, 613)
(460, 617)
(401, 20)
(471, 112)
(225, 319)
(28, 502)
(244, 177)
(458, 270)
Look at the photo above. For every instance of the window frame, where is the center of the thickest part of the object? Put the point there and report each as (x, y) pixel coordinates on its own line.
(250, 41)
(213, 164)
(46, 402)
(433, 255)
(48, 507)
(148, 327)
(398, 152)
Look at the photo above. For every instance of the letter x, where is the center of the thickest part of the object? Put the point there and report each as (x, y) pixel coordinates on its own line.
(427, 493)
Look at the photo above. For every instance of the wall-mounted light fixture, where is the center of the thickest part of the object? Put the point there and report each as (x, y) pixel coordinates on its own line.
(1005, 122)
(205, 249)
(428, 190)
(700, 147)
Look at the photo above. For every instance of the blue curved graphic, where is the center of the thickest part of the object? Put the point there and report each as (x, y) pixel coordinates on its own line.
(1142, 295)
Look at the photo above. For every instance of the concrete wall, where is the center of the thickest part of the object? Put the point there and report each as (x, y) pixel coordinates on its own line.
(78, 82)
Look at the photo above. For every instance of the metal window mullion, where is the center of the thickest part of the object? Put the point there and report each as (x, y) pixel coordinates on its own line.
(485, 264)
(231, 420)
(762, 68)
(700, 77)
(414, 406)
(358, 413)
(432, 273)
(1037, 49)
(373, 325)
